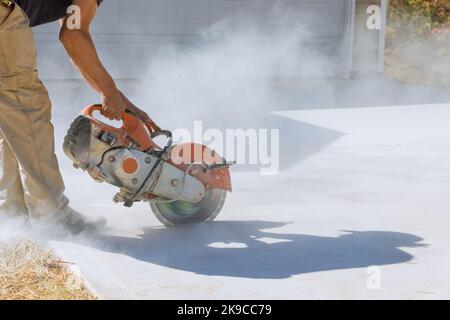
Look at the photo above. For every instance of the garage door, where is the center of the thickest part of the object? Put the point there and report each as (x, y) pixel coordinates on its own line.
(128, 32)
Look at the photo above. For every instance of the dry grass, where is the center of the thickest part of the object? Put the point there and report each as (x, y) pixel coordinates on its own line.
(417, 53)
(436, 73)
(27, 272)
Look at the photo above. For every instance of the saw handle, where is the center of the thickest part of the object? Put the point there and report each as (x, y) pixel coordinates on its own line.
(129, 118)
(133, 128)
(88, 111)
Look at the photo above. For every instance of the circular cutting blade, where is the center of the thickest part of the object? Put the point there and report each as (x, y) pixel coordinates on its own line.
(182, 212)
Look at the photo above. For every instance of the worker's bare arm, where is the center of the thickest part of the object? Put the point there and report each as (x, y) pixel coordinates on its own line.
(81, 49)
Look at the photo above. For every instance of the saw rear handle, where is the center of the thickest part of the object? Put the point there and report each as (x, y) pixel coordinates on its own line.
(134, 128)
(128, 116)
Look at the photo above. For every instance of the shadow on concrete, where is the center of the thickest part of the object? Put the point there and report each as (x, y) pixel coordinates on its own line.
(297, 140)
(235, 249)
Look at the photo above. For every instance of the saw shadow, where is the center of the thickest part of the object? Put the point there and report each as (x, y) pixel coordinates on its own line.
(247, 249)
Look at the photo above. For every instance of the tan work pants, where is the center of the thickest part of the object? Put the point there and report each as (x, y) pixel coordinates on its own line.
(30, 181)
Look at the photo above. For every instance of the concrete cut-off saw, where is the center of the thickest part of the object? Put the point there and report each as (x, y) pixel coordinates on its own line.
(184, 183)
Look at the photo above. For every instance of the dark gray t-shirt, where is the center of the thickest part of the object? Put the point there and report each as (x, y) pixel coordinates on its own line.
(45, 11)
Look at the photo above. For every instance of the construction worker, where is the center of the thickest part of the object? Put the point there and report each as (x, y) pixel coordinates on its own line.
(30, 180)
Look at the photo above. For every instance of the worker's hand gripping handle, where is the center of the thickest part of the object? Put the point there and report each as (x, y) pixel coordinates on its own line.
(142, 131)
(129, 118)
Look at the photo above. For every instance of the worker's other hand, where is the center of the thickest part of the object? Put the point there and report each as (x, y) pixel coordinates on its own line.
(139, 113)
(134, 109)
(113, 105)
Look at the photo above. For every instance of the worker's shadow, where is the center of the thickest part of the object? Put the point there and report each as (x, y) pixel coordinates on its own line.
(247, 249)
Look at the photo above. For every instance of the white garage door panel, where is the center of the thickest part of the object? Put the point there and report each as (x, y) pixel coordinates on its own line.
(126, 31)
(110, 55)
(108, 17)
(53, 62)
(135, 56)
(193, 11)
(147, 16)
(143, 11)
(47, 28)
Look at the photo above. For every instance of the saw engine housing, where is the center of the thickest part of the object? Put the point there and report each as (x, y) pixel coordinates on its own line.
(128, 158)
